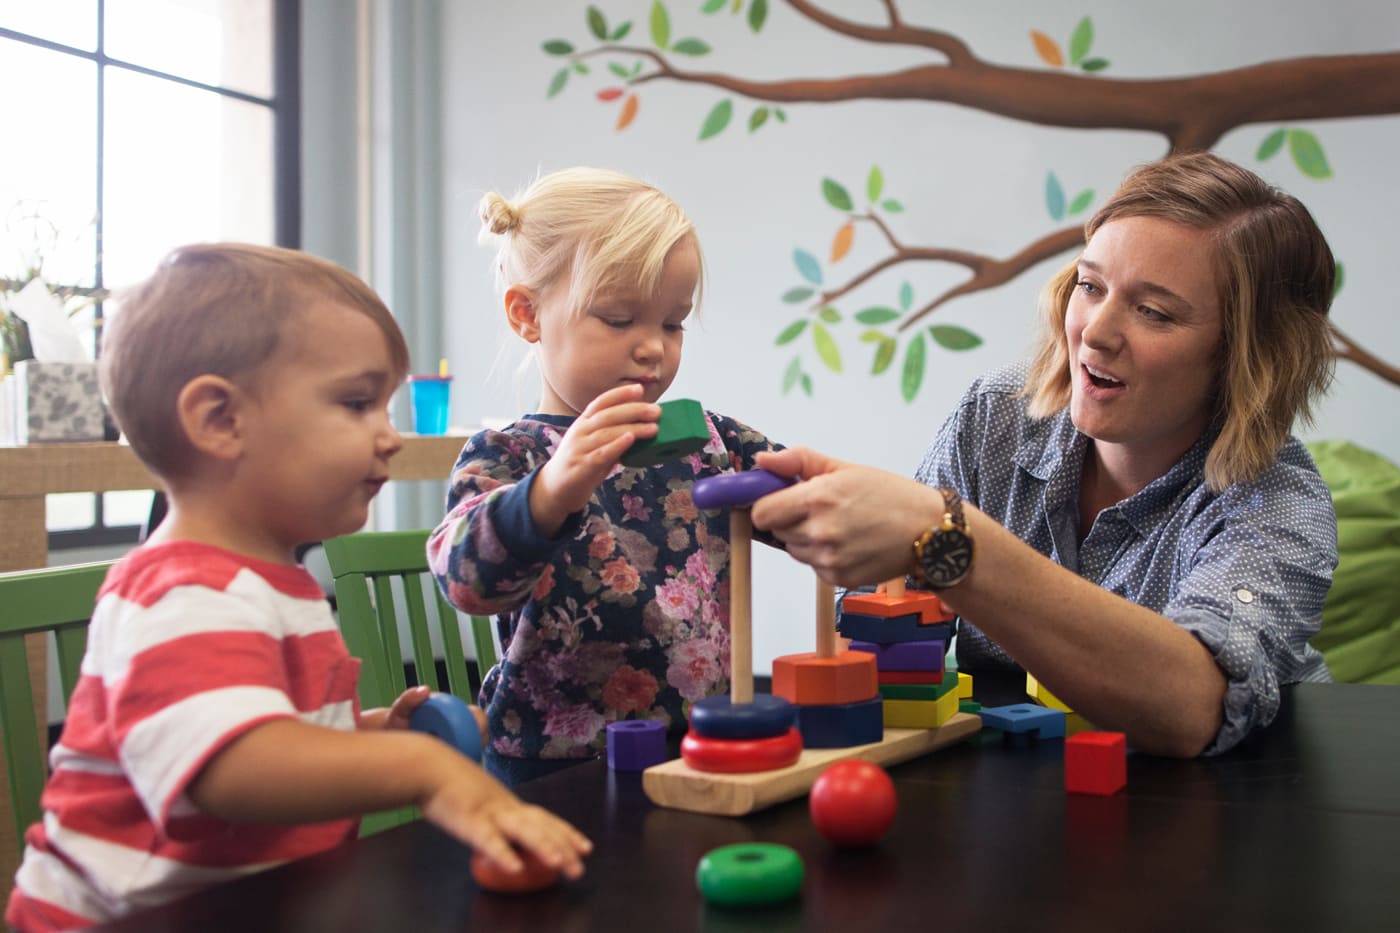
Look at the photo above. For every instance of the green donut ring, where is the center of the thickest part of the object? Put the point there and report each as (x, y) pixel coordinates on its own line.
(749, 874)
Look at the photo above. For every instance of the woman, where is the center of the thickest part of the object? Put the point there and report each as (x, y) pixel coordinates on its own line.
(1140, 531)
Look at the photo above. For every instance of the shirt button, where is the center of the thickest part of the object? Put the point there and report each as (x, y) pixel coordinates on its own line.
(1244, 595)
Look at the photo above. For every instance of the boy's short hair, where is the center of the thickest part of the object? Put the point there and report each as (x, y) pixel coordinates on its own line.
(220, 309)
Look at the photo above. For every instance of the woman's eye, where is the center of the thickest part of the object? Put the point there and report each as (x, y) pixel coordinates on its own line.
(1089, 288)
(1152, 314)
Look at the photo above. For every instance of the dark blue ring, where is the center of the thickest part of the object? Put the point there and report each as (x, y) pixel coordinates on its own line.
(717, 718)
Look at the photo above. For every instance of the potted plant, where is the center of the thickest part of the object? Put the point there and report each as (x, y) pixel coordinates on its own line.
(37, 248)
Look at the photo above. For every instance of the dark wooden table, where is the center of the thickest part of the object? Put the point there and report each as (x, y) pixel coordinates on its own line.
(1298, 829)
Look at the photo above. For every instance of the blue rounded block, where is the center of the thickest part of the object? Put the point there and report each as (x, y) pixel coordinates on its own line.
(450, 719)
(730, 490)
(636, 744)
(718, 718)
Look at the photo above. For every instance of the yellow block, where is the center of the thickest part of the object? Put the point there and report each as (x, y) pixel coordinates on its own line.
(964, 690)
(920, 714)
(1036, 691)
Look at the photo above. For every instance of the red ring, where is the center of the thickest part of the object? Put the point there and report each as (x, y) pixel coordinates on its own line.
(741, 756)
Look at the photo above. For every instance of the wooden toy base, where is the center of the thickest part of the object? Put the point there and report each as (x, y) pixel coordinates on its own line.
(679, 786)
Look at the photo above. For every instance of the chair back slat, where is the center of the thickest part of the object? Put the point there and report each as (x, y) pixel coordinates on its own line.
(51, 600)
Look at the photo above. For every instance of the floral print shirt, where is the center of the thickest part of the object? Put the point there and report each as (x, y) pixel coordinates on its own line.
(624, 614)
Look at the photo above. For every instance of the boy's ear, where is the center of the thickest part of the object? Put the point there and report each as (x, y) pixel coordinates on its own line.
(209, 410)
(521, 313)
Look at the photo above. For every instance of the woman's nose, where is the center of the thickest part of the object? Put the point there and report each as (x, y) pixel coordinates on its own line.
(1101, 326)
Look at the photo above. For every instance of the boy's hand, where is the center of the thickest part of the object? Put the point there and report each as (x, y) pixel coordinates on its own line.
(588, 452)
(397, 715)
(477, 809)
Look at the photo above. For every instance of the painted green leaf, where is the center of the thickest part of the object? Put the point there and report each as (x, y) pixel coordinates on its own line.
(1094, 64)
(781, 114)
(1081, 200)
(876, 315)
(1307, 154)
(893, 206)
(636, 67)
(913, 375)
(884, 355)
(559, 47)
(660, 25)
(798, 295)
(1080, 42)
(791, 374)
(597, 23)
(952, 337)
(871, 336)
(807, 266)
(736, 6)
(758, 14)
(619, 70)
(826, 347)
(790, 332)
(581, 68)
(713, 6)
(1054, 197)
(829, 314)
(717, 119)
(874, 184)
(1271, 145)
(806, 381)
(906, 296)
(758, 118)
(621, 31)
(836, 195)
(1337, 283)
(556, 84)
(691, 47)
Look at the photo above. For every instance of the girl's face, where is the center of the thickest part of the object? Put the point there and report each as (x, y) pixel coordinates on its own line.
(1144, 332)
(620, 338)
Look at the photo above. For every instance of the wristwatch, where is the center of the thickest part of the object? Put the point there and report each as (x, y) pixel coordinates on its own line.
(943, 554)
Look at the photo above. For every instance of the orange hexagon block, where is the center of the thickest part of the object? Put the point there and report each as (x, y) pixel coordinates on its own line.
(809, 680)
(929, 607)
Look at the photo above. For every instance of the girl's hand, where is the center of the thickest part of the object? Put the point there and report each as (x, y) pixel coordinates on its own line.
(588, 452)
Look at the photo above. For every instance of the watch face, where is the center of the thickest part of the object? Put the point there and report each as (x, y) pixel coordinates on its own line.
(946, 558)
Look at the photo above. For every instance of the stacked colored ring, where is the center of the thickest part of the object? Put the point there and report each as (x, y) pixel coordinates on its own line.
(749, 874)
(741, 756)
(718, 718)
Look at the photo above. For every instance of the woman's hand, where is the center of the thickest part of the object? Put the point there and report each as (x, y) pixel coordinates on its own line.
(853, 524)
(588, 452)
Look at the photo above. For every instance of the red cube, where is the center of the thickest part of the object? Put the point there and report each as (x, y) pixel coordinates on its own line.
(1096, 763)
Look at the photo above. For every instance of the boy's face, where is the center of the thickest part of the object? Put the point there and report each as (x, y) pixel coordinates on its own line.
(318, 438)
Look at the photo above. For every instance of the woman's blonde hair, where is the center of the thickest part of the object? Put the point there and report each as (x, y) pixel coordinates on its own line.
(1275, 276)
(592, 231)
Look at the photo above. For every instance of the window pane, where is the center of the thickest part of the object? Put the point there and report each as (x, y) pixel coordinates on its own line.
(48, 180)
(183, 165)
(68, 511)
(225, 43)
(69, 22)
(126, 508)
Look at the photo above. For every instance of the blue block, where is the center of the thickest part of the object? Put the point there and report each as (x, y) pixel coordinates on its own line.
(1020, 718)
(449, 718)
(842, 725)
(881, 631)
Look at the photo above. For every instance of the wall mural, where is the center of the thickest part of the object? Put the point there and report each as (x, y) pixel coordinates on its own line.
(1071, 85)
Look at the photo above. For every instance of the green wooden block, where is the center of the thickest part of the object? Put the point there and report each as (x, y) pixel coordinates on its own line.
(928, 692)
(681, 432)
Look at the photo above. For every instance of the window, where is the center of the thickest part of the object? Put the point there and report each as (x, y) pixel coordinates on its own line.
(135, 126)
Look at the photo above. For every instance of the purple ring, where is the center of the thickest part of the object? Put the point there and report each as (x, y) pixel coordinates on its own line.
(736, 489)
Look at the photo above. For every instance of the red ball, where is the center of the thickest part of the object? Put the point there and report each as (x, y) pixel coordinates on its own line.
(853, 803)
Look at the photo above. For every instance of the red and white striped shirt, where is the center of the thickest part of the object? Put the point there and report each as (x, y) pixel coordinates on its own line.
(189, 647)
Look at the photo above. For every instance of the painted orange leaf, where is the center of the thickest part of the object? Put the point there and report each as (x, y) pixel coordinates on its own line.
(629, 110)
(841, 245)
(610, 93)
(1047, 49)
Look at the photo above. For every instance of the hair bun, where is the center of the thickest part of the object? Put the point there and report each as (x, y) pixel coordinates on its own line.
(498, 215)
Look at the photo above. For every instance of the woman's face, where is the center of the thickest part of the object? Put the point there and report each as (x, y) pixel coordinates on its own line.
(1144, 333)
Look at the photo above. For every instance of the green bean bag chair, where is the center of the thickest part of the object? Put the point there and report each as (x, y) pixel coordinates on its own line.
(1360, 636)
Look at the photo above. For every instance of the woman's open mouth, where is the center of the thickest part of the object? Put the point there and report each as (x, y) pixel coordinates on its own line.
(1101, 380)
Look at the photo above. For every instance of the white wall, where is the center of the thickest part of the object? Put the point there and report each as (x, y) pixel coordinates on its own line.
(967, 179)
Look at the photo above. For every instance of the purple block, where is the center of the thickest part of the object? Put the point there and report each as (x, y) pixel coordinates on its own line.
(905, 655)
(736, 489)
(636, 744)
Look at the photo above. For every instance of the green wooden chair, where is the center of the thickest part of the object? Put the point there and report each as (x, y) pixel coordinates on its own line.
(376, 573)
(57, 600)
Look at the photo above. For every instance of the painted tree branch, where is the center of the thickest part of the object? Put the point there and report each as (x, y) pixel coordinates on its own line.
(1347, 349)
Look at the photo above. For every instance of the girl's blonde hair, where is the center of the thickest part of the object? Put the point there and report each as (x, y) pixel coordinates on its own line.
(591, 231)
(1275, 276)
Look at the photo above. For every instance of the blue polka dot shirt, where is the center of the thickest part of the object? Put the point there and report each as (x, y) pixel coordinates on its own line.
(1244, 570)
